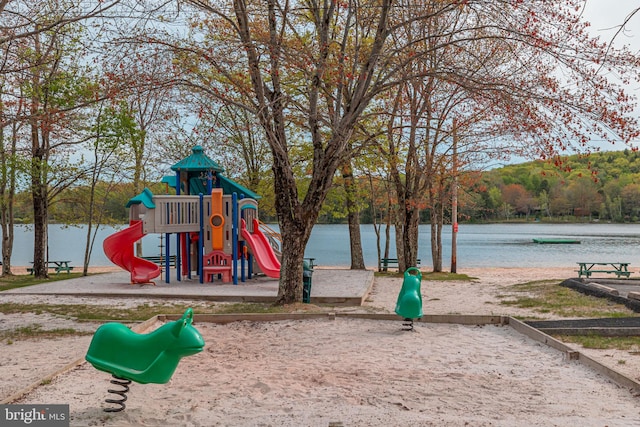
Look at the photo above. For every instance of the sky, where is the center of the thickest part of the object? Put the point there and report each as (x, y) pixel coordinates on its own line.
(606, 16)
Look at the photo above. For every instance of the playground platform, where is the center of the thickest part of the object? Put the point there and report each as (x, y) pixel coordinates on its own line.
(328, 286)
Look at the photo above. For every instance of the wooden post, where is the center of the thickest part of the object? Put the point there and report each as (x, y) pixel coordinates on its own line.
(454, 202)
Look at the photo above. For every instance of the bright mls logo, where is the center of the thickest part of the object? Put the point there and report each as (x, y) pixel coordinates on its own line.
(34, 415)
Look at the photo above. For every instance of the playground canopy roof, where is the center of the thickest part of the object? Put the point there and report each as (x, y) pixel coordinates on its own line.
(228, 186)
(200, 162)
(146, 198)
(197, 162)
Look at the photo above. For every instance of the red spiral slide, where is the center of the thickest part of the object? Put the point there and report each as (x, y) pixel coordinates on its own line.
(119, 249)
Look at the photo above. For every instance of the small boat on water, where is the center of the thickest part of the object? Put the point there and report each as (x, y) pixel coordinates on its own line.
(555, 241)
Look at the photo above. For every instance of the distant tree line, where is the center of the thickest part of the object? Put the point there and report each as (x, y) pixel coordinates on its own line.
(602, 186)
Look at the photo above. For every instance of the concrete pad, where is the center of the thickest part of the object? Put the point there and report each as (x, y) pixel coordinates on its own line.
(328, 286)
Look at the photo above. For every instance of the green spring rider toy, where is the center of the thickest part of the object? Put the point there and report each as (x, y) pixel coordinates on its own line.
(143, 358)
(409, 304)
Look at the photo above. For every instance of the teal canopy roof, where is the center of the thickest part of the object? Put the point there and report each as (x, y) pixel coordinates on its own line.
(146, 198)
(229, 186)
(198, 161)
(170, 180)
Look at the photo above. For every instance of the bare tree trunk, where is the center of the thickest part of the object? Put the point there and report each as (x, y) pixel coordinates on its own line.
(355, 239)
(39, 191)
(387, 236)
(436, 222)
(40, 198)
(374, 219)
(40, 209)
(7, 192)
(410, 238)
(295, 229)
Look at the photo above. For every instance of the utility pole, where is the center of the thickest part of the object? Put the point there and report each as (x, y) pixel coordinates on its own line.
(454, 201)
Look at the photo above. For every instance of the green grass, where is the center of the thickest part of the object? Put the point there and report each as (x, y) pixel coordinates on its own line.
(548, 297)
(98, 313)
(23, 280)
(36, 331)
(599, 342)
(86, 312)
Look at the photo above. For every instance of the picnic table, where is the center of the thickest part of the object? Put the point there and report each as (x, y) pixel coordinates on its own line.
(58, 266)
(617, 268)
(385, 263)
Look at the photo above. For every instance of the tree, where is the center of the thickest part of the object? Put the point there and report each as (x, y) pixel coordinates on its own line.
(10, 164)
(109, 134)
(583, 196)
(43, 88)
(315, 65)
(630, 196)
(516, 196)
(53, 94)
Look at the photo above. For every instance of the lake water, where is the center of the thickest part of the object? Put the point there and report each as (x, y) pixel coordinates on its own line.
(479, 245)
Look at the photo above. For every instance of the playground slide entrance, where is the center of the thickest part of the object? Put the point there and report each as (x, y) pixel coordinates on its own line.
(119, 249)
(262, 250)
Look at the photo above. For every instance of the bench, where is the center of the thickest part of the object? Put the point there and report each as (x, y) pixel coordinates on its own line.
(57, 266)
(160, 260)
(214, 264)
(385, 263)
(618, 268)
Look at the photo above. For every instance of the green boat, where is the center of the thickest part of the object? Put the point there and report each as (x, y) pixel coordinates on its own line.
(555, 241)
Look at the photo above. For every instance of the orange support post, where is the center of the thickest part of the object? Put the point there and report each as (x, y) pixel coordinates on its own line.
(216, 220)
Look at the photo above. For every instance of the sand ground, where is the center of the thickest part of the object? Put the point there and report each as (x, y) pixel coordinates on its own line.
(348, 372)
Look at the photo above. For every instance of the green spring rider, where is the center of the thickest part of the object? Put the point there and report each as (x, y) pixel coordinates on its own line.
(143, 358)
(409, 304)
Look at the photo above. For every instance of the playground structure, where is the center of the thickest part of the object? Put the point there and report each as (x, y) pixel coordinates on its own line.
(214, 219)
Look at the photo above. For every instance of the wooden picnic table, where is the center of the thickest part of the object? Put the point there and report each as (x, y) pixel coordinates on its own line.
(58, 266)
(617, 268)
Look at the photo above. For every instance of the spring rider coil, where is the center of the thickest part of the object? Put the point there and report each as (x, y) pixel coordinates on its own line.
(409, 304)
(143, 358)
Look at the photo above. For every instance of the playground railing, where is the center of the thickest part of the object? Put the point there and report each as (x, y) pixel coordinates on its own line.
(275, 238)
(176, 214)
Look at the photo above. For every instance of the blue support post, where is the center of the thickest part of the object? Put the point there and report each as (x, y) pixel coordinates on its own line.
(167, 259)
(188, 260)
(178, 260)
(234, 236)
(242, 266)
(167, 240)
(201, 239)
